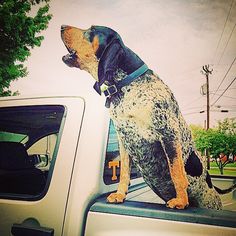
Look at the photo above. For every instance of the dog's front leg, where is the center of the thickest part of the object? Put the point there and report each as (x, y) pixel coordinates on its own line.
(120, 195)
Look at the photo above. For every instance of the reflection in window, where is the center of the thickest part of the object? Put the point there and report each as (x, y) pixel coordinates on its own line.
(112, 160)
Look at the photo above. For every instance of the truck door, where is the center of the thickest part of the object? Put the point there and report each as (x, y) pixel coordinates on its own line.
(38, 140)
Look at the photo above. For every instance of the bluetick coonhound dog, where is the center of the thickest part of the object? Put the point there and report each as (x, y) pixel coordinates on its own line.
(150, 127)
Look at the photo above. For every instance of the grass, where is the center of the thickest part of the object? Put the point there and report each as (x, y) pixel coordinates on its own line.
(229, 169)
(213, 164)
(215, 171)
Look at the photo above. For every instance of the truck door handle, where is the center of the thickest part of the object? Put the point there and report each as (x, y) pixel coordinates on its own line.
(31, 227)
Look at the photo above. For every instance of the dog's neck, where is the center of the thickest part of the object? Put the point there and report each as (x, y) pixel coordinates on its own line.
(92, 68)
(94, 71)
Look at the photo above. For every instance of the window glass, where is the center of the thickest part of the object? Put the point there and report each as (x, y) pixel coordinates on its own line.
(43, 149)
(13, 137)
(112, 160)
(28, 137)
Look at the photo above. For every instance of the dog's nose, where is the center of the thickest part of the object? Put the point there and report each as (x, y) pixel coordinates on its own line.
(63, 27)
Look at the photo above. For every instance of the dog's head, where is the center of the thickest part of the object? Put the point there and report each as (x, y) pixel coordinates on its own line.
(99, 50)
(85, 46)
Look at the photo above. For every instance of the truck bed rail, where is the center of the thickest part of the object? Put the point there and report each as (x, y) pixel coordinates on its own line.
(160, 211)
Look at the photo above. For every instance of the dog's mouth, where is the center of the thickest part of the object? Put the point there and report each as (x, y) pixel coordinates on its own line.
(70, 59)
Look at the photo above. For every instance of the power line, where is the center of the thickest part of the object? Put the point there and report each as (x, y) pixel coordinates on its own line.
(199, 107)
(223, 92)
(191, 113)
(192, 102)
(224, 77)
(230, 36)
(226, 97)
(203, 111)
(225, 107)
(230, 106)
(214, 91)
(226, 20)
(185, 107)
(192, 108)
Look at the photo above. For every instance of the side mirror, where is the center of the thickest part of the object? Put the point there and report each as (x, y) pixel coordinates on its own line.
(39, 160)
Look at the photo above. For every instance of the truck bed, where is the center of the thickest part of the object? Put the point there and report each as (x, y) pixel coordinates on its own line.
(147, 195)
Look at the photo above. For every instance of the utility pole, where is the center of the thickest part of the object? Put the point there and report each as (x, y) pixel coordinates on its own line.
(206, 72)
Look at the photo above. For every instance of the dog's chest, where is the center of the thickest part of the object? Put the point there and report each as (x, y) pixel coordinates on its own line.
(134, 114)
(146, 105)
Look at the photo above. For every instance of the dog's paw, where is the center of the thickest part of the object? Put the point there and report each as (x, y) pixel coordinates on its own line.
(178, 203)
(116, 198)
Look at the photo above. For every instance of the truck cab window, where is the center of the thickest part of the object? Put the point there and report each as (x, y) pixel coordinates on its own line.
(28, 137)
(112, 161)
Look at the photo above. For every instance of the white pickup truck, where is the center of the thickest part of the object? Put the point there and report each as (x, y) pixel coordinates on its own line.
(59, 160)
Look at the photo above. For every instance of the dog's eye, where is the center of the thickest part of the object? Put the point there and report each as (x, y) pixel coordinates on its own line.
(87, 35)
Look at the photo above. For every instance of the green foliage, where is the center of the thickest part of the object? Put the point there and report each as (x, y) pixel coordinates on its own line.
(228, 126)
(19, 32)
(220, 142)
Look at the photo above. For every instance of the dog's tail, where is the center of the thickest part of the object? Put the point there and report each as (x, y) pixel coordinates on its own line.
(224, 191)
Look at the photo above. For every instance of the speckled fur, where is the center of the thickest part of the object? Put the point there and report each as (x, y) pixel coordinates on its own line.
(143, 115)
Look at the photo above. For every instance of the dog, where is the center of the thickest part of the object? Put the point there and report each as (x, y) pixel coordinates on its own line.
(150, 127)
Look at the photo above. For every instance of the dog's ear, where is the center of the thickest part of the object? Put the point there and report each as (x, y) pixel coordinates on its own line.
(95, 43)
(110, 60)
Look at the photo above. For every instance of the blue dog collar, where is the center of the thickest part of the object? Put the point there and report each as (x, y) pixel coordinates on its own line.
(113, 89)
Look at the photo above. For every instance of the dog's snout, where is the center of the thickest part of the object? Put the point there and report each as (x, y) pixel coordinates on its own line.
(63, 27)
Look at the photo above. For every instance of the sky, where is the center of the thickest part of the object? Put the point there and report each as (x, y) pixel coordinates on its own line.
(175, 38)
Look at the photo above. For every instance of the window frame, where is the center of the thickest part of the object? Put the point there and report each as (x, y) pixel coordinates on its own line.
(29, 197)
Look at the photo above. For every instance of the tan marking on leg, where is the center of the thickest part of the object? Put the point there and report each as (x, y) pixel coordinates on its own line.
(179, 178)
(120, 195)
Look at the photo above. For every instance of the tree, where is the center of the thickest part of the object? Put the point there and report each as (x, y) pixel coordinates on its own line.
(228, 125)
(221, 143)
(19, 32)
